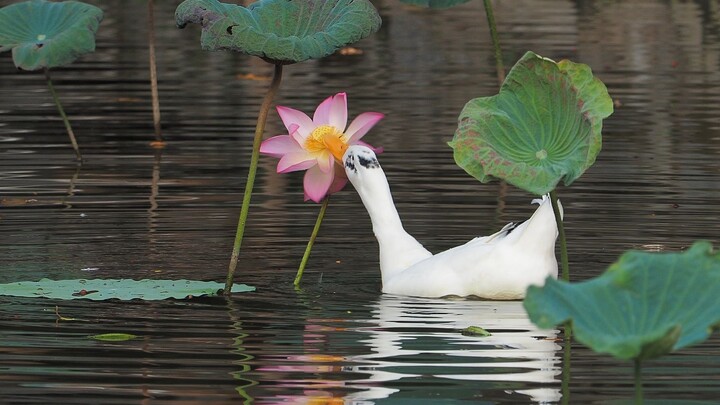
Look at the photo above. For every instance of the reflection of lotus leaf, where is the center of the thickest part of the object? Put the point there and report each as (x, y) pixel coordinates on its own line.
(434, 3)
(280, 31)
(44, 34)
(645, 305)
(123, 289)
(544, 125)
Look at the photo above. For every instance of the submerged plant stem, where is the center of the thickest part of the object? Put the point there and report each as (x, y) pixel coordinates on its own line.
(499, 66)
(259, 130)
(638, 383)
(561, 231)
(309, 247)
(567, 351)
(64, 117)
(153, 72)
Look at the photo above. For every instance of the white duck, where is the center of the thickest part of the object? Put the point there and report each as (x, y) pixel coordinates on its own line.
(500, 266)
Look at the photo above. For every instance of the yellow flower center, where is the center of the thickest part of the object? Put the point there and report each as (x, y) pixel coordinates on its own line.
(327, 137)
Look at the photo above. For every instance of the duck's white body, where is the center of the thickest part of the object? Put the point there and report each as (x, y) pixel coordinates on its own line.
(500, 266)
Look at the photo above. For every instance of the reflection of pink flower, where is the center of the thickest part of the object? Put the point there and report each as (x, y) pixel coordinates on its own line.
(316, 144)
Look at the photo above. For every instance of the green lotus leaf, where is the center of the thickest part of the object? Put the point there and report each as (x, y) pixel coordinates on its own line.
(44, 34)
(434, 3)
(121, 289)
(545, 125)
(280, 31)
(644, 306)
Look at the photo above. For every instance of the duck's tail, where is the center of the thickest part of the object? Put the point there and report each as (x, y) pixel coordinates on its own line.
(540, 230)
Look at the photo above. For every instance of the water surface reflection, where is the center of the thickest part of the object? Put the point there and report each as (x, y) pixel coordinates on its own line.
(418, 343)
(131, 211)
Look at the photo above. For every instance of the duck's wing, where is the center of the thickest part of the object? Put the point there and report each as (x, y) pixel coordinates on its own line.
(497, 236)
(544, 209)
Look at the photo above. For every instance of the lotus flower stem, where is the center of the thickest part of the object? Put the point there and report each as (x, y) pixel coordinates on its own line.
(638, 382)
(499, 66)
(309, 247)
(259, 130)
(64, 117)
(153, 73)
(561, 232)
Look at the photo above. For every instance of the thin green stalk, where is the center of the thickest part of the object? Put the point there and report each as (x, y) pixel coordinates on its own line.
(71, 187)
(259, 130)
(153, 72)
(638, 383)
(567, 350)
(561, 231)
(499, 66)
(239, 349)
(567, 328)
(308, 249)
(64, 117)
(154, 194)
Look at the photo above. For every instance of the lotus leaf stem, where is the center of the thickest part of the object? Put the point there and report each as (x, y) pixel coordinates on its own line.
(64, 117)
(567, 351)
(638, 382)
(154, 193)
(311, 242)
(259, 130)
(499, 66)
(71, 187)
(153, 72)
(561, 232)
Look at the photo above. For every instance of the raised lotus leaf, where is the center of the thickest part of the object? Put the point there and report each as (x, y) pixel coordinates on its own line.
(280, 31)
(121, 289)
(645, 305)
(44, 34)
(545, 125)
(434, 3)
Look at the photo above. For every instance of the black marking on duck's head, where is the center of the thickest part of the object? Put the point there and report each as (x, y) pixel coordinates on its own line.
(360, 157)
(368, 162)
(350, 163)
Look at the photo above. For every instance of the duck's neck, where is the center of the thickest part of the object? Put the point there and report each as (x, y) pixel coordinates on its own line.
(398, 249)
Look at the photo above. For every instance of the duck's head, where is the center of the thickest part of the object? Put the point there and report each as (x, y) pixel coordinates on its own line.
(361, 164)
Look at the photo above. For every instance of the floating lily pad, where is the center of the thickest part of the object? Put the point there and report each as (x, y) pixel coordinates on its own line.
(434, 3)
(122, 289)
(44, 34)
(280, 31)
(545, 125)
(475, 331)
(114, 337)
(645, 305)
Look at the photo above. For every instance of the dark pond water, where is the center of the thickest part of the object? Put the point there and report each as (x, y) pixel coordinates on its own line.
(132, 212)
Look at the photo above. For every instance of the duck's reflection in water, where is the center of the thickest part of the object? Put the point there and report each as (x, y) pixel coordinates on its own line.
(413, 350)
(421, 339)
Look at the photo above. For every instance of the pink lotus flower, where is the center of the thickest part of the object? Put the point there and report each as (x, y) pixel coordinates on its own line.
(317, 144)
